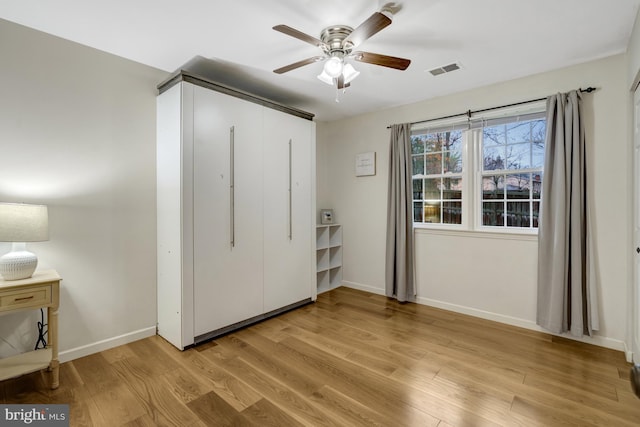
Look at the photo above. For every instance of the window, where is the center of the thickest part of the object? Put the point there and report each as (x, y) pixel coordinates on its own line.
(512, 162)
(482, 174)
(437, 177)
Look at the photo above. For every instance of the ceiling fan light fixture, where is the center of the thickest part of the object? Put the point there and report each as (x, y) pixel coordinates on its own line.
(325, 78)
(333, 67)
(349, 73)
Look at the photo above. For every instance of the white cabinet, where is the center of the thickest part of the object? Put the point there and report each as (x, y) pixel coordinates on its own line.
(328, 256)
(227, 210)
(288, 176)
(236, 197)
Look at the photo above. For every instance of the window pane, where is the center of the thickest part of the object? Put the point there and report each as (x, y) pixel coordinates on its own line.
(538, 131)
(493, 158)
(434, 164)
(493, 187)
(453, 161)
(417, 144)
(417, 212)
(432, 189)
(518, 156)
(518, 214)
(417, 189)
(536, 183)
(493, 213)
(518, 132)
(536, 213)
(493, 135)
(452, 213)
(452, 188)
(518, 186)
(537, 155)
(418, 165)
(432, 142)
(451, 141)
(432, 212)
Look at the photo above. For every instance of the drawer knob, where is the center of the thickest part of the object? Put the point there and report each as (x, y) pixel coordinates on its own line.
(24, 298)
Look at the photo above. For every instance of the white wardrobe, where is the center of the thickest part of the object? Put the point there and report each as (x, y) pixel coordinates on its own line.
(236, 204)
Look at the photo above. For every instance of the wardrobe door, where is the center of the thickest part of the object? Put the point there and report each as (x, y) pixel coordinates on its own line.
(228, 203)
(287, 209)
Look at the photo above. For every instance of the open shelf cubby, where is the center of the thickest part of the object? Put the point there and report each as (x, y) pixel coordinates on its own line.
(328, 256)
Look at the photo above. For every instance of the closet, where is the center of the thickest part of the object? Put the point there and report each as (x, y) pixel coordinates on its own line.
(236, 203)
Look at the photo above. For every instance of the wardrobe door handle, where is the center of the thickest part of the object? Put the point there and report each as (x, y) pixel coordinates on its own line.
(232, 199)
(290, 194)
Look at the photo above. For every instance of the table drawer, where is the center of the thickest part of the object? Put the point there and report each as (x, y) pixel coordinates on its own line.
(36, 296)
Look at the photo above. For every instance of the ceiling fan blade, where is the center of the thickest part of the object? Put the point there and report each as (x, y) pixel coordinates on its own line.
(371, 26)
(298, 64)
(383, 60)
(285, 29)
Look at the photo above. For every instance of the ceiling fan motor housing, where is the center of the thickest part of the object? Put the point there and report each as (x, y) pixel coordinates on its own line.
(333, 37)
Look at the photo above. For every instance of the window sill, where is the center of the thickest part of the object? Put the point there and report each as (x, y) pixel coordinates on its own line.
(478, 234)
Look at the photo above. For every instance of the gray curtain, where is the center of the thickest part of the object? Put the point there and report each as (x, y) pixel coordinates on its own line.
(399, 270)
(566, 279)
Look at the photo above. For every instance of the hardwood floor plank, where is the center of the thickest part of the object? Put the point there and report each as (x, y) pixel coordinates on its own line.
(96, 373)
(367, 387)
(214, 411)
(278, 393)
(265, 414)
(186, 386)
(118, 405)
(80, 414)
(328, 344)
(350, 410)
(153, 393)
(351, 359)
(548, 416)
(260, 353)
(118, 353)
(564, 386)
(234, 392)
(157, 361)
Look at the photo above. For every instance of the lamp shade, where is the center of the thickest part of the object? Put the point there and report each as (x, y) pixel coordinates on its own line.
(333, 67)
(350, 73)
(23, 223)
(326, 78)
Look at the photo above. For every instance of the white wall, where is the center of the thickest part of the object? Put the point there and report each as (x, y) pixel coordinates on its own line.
(77, 132)
(633, 53)
(481, 275)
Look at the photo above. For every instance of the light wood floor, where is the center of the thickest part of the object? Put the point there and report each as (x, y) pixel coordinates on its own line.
(352, 358)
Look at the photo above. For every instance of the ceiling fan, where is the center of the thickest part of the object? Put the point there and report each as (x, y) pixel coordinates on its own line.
(337, 43)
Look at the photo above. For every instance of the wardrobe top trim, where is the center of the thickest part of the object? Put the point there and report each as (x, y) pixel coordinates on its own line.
(185, 76)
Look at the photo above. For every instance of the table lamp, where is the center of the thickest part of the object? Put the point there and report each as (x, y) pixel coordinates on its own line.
(21, 223)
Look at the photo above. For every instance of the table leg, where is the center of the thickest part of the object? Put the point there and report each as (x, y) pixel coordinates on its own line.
(54, 366)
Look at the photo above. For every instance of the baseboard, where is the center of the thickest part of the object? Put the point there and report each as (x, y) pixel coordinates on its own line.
(501, 318)
(361, 287)
(522, 323)
(96, 347)
(628, 354)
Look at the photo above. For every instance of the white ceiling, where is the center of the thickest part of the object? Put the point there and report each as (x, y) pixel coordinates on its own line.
(233, 43)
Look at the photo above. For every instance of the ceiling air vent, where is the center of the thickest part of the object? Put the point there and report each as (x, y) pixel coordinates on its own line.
(445, 69)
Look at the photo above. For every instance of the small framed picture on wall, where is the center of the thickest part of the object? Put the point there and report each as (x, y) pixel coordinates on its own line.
(326, 216)
(366, 164)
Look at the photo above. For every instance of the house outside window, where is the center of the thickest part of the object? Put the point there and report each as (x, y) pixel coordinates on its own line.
(483, 174)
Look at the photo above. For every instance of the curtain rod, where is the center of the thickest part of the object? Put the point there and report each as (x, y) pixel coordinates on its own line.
(468, 113)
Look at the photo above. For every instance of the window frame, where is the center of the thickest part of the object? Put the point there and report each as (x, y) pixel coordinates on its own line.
(472, 170)
(443, 175)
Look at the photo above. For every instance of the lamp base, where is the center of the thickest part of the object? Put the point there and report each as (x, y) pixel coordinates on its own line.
(18, 265)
